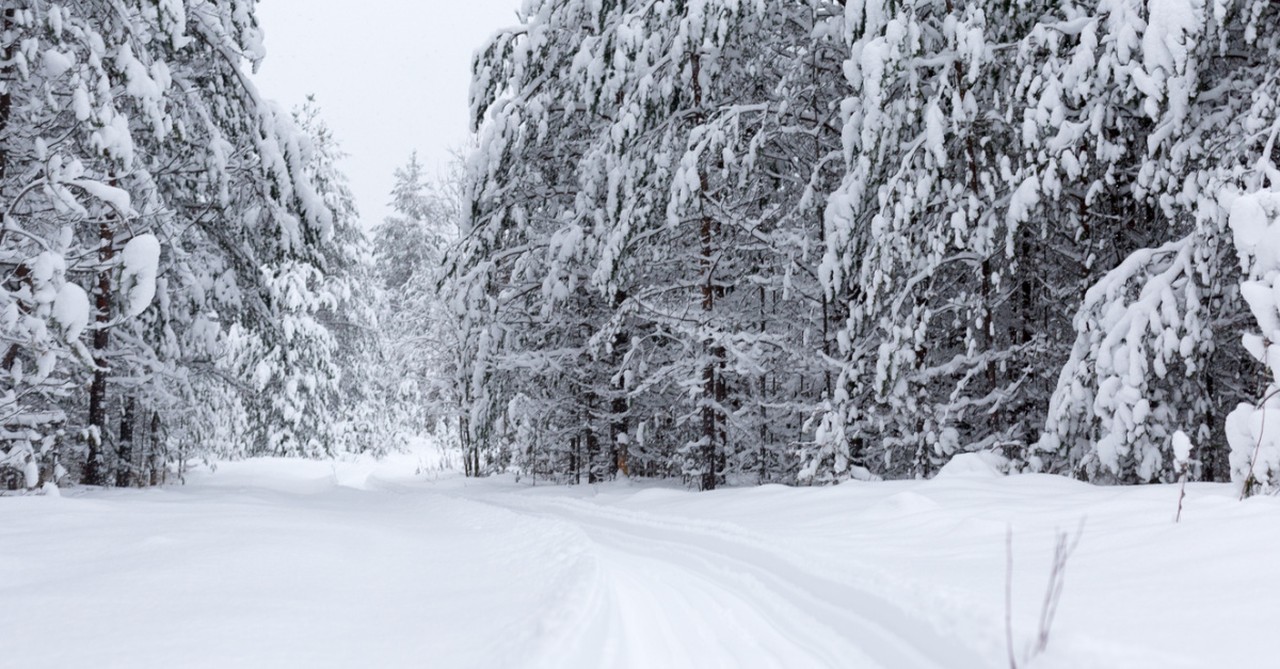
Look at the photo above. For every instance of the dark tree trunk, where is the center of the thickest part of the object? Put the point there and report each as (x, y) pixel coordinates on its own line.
(618, 439)
(618, 431)
(592, 441)
(573, 460)
(6, 99)
(706, 261)
(470, 458)
(709, 386)
(593, 456)
(155, 459)
(124, 454)
(95, 471)
(470, 445)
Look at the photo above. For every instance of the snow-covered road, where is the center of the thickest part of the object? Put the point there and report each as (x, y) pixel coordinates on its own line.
(672, 593)
(285, 564)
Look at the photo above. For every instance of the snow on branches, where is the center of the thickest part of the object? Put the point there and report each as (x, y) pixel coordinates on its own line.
(149, 192)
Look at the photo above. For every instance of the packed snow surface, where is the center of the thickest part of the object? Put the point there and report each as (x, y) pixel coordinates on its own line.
(271, 563)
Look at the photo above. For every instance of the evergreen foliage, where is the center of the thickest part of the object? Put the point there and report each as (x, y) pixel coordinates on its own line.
(171, 242)
(815, 240)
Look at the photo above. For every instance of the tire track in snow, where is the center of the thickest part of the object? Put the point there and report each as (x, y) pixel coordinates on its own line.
(688, 593)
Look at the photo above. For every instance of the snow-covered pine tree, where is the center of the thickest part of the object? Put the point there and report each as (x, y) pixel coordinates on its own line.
(310, 371)
(1144, 118)
(417, 336)
(656, 287)
(519, 274)
(930, 238)
(1255, 220)
(750, 156)
(422, 225)
(1253, 206)
(125, 122)
(638, 260)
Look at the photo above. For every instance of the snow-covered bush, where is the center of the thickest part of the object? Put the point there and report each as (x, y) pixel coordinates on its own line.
(1253, 430)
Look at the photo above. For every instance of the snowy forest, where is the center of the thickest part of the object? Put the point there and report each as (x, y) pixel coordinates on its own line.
(812, 241)
(186, 275)
(732, 241)
(910, 334)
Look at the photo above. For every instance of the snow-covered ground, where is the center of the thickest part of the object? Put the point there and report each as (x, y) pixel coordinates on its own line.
(271, 563)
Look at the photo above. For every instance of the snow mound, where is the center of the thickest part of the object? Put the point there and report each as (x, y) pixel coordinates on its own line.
(974, 465)
(899, 505)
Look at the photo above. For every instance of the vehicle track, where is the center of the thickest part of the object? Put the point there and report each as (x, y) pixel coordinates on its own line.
(680, 593)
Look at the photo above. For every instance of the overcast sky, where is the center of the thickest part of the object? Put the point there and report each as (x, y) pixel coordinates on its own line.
(391, 76)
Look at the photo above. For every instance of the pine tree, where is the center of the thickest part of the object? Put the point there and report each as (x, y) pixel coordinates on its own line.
(929, 236)
(416, 335)
(132, 123)
(1143, 109)
(1021, 213)
(641, 262)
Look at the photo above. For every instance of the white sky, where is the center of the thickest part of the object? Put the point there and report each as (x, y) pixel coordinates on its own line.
(391, 76)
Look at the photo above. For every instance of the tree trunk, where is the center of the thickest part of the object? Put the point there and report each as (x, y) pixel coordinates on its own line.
(762, 388)
(124, 453)
(95, 472)
(618, 432)
(154, 460)
(618, 408)
(573, 460)
(620, 441)
(6, 99)
(591, 439)
(706, 262)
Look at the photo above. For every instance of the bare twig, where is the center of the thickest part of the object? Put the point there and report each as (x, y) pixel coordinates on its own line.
(1008, 594)
(1182, 495)
(1065, 544)
(1064, 547)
